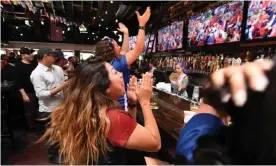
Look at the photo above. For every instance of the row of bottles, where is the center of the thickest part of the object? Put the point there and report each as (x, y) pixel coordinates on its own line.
(207, 63)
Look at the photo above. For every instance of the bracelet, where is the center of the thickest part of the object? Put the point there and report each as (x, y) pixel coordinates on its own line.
(131, 105)
(142, 27)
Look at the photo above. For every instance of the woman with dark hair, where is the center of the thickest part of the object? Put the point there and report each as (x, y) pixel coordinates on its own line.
(89, 125)
(250, 139)
(180, 81)
(110, 51)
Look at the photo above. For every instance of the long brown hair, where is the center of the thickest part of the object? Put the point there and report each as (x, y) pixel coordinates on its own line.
(105, 49)
(79, 124)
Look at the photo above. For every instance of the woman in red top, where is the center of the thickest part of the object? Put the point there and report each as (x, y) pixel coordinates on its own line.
(88, 124)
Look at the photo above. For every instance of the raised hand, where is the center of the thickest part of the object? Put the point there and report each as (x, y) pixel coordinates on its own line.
(122, 28)
(237, 76)
(131, 90)
(144, 18)
(144, 91)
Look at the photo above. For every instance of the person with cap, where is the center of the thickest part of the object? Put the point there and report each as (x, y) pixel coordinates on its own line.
(24, 69)
(61, 61)
(48, 80)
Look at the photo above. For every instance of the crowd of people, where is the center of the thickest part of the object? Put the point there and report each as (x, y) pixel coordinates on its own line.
(220, 25)
(92, 114)
(170, 37)
(261, 20)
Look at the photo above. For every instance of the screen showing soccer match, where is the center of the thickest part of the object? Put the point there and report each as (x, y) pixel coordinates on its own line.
(220, 25)
(170, 37)
(261, 19)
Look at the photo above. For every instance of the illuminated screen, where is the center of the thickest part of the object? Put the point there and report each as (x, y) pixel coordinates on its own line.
(170, 37)
(220, 25)
(261, 20)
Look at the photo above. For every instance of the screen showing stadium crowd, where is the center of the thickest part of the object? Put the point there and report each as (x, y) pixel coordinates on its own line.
(261, 19)
(133, 40)
(220, 25)
(170, 37)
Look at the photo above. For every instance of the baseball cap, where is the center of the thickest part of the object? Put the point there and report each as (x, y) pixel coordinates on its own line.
(59, 54)
(26, 50)
(42, 51)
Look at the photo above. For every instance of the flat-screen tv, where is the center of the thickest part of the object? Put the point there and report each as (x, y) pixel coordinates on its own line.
(170, 37)
(132, 42)
(220, 25)
(152, 44)
(261, 19)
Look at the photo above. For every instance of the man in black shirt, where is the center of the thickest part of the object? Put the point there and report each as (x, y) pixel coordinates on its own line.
(24, 69)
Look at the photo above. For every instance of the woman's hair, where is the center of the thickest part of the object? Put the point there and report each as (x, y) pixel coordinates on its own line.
(105, 50)
(79, 124)
(251, 137)
(182, 65)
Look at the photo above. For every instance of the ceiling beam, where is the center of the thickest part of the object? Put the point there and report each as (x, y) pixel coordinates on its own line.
(130, 16)
(128, 8)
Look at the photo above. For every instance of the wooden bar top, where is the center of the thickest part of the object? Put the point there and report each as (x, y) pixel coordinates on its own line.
(170, 115)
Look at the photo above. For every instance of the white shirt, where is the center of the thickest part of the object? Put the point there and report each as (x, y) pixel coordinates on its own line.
(45, 79)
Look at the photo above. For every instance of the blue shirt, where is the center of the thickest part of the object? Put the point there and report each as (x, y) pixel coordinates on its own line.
(120, 64)
(199, 125)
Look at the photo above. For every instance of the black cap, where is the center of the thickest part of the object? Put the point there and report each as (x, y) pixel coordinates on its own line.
(26, 50)
(59, 54)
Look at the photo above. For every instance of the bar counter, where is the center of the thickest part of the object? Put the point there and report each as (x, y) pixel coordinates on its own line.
(170, 114)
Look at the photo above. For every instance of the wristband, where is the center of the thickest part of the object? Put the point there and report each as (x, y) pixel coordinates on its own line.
(142, 27)
(131, 105)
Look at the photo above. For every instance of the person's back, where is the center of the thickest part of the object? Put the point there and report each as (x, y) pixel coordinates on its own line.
(250, 139)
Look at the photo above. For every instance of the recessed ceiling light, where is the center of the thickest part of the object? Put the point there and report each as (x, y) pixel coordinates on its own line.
(111, 1)
(16, 27)
(94, 18)
(93, 33)
(116, 20)
(99, 25)
(21, 34)
(42, 23)
(63, 32)
(106, 28)
(102, 19)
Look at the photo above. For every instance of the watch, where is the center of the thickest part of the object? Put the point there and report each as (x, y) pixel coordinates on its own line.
(142, 27)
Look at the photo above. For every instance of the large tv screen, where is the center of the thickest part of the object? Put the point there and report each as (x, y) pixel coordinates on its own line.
(220, 25)
(170, 37)
(261, 19)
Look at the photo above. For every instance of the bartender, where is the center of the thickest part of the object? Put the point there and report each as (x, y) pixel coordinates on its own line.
(179, 80)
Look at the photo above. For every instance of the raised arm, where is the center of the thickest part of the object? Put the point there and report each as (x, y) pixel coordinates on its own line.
(132, 55)
(125, 47)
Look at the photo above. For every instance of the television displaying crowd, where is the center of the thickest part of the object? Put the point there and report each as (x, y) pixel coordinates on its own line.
(261, 20)
(170, 37)
(220, 25)
(133, 40)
